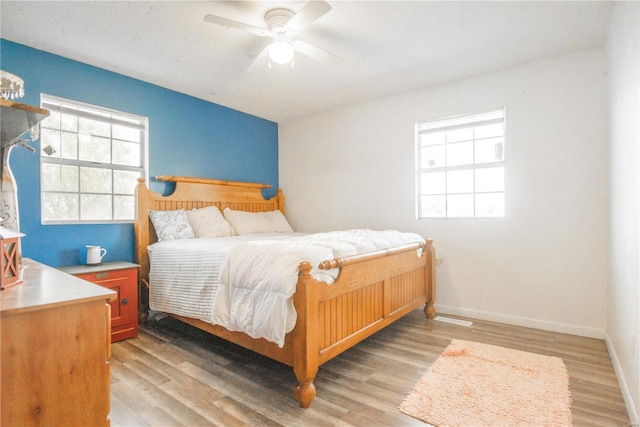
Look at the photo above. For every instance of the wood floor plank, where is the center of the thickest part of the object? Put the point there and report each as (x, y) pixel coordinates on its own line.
(200, 399)
(174, 374)
(122, 415)
(144, 410)
(149, 371)
(274, 406)
(370, 397)
(146, 399)
(245, 414)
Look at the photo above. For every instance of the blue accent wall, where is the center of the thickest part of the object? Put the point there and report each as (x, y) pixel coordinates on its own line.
(187, 136)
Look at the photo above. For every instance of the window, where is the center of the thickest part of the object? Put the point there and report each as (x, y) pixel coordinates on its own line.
(90, 159)
(460, 167)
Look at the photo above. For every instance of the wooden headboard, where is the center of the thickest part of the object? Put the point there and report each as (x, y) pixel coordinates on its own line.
(191, 193)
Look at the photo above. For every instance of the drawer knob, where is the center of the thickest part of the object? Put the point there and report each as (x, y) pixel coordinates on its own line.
(102, 275)
(125, 301)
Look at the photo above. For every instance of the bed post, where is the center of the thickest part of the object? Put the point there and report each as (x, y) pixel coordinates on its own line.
(280, 198)
(429, 308)
(141, 232)
(305, 346)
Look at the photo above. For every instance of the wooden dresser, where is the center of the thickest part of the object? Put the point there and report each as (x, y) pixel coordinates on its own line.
(55, 345)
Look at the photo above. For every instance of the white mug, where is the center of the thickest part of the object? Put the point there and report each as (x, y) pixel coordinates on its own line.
(95, 255)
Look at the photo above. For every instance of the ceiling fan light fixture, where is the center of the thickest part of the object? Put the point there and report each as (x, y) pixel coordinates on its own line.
(281, 52)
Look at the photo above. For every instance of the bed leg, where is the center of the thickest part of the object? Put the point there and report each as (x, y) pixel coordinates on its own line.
(430, 310)
(305, 393)
(143, 301)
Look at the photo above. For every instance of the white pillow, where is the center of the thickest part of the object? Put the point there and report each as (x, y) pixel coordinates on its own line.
(279, 221)
(257, 222)
(209, 222)
(171, 225)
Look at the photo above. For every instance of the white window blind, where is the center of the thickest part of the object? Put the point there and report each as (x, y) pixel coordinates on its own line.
(460, 166)
(91, 158)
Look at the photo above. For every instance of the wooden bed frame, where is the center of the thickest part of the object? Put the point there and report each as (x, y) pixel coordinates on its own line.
(372, 290)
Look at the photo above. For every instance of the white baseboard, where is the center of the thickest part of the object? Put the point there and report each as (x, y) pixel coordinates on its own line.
(545, 325)
(624, 388)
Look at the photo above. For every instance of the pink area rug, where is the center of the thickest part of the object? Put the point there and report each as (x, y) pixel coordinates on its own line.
(480, 385)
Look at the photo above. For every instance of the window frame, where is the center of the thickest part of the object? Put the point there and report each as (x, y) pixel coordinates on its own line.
(422, 128)
(92, 111)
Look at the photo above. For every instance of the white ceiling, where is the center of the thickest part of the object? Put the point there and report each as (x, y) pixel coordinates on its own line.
(387, 46)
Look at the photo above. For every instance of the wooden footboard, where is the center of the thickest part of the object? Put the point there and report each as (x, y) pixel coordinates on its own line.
(371, 291)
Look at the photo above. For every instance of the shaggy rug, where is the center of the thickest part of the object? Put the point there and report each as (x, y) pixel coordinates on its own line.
(474, 384)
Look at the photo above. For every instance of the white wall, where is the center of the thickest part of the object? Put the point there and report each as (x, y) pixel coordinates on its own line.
(623, 321)
(545, 265)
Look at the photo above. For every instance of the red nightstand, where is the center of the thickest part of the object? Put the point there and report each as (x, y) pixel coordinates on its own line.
(121, 277)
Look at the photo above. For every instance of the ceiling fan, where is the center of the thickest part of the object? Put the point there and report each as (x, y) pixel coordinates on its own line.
(282, 25)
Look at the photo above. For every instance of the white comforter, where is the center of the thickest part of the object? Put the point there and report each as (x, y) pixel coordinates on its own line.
(253, 281)
(184, 273)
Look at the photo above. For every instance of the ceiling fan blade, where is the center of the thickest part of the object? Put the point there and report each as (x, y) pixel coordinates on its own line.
(316, 53)
(229, 23)
(311, 11)
(260, 61)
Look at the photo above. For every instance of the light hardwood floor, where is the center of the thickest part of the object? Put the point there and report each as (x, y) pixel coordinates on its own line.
(176, 375)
